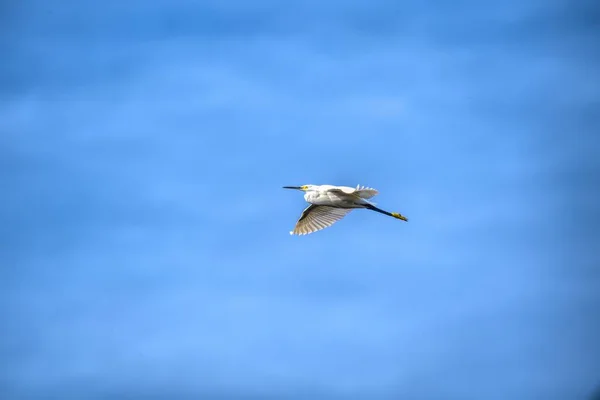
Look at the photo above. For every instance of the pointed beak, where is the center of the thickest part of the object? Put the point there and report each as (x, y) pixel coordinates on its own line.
(293, 187)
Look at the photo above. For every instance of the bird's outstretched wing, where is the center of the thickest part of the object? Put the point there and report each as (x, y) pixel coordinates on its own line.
(360, 191)
(366, 192)
(314, 218)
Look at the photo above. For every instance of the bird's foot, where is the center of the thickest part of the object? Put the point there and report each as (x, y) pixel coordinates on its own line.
(399, 216)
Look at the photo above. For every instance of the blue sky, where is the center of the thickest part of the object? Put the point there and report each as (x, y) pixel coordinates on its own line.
(145, 246)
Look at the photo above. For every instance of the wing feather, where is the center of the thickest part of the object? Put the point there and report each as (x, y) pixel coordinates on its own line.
(360, 191)
(366, 192)
(314, 218)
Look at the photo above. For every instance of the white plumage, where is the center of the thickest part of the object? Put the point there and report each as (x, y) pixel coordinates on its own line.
(329, 204)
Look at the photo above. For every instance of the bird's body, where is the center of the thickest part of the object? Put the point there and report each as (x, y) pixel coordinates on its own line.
(329, 204)
(339, 196)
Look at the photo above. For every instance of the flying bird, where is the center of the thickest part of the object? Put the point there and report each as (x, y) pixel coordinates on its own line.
(329, 204)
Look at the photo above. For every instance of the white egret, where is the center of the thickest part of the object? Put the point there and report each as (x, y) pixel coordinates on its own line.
(329, 204)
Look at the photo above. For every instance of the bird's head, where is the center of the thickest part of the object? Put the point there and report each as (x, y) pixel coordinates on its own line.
(304, 188)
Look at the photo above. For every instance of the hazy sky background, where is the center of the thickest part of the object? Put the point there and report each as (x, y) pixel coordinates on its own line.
(144, 232)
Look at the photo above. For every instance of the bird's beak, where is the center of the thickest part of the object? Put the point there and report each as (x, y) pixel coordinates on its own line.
(293, 187)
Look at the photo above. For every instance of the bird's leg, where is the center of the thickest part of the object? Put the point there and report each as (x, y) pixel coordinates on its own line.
(391, 214)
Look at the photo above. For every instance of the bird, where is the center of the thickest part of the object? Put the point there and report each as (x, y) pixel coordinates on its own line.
(329, 204)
